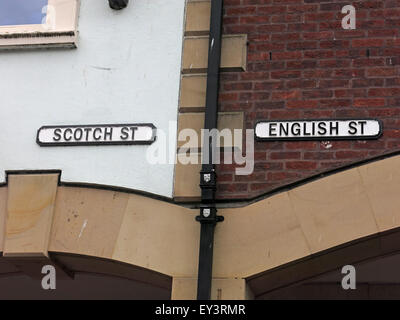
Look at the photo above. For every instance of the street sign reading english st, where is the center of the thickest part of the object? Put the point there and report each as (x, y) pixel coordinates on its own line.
(349, 129)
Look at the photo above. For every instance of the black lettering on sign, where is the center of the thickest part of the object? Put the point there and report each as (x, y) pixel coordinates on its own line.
(87, 130)
(305, 129)
(57, 135)
(97, 134)
(296, 129)
(272, 128)
(362, 124)
(86, 135)
(283, 129)
(124, 133)
(108, 132)
(133, 129)
(322, 128)
(352, 127)
(68, 134)
(318, 129)
(78, 134)
(334, 128)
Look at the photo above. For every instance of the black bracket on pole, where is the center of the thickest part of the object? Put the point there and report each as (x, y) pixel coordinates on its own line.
(208, 215)
(208, 184)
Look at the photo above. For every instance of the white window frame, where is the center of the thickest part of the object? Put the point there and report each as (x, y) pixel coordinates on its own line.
(60, 29)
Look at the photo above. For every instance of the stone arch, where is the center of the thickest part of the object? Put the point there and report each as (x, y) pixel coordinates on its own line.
(329, 219)
(309, 225)
(94, 230)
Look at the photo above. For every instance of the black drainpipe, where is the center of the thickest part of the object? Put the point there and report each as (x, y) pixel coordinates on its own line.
(208, 178)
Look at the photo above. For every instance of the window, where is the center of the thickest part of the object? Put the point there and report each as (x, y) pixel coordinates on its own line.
(38, 23)
(18, 12)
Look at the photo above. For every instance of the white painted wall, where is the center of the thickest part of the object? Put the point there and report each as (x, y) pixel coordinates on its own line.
(125, 70)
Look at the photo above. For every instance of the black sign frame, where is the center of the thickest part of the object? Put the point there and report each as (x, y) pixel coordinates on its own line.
(341, 138)
(97, 143)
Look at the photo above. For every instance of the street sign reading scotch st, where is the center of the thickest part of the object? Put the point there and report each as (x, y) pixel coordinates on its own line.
(86, 135)
(287, 130)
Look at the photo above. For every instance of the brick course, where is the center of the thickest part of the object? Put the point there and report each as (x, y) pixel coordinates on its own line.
(303, 65)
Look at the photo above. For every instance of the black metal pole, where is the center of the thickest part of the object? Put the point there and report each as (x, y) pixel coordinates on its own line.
(205, 266)
(208, 181)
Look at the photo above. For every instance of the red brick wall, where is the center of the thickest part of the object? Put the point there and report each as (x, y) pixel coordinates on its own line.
(302, 64)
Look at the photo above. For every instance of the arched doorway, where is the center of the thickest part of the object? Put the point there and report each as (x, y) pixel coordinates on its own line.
(91, 278)
(376, 260)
